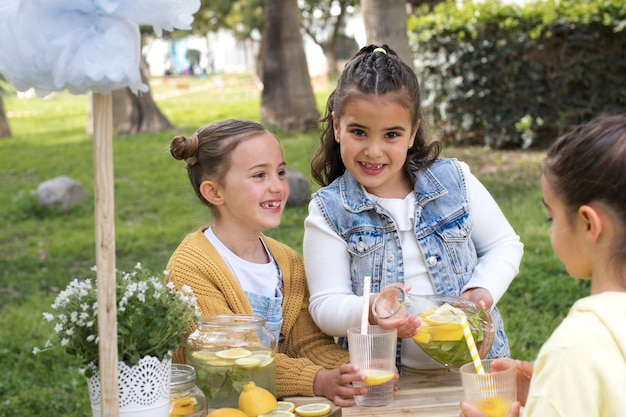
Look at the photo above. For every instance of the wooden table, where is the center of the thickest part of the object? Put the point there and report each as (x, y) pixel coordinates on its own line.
(427, 396)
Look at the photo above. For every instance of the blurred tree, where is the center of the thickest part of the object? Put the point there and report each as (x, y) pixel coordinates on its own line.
(385, 23)
(287, 101)
(324, 22)
(242, 18)
(5, 130)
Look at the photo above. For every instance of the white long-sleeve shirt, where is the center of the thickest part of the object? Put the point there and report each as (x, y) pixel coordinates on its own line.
(334, 306)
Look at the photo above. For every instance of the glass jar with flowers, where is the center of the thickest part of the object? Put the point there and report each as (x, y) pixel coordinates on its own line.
(151, 316)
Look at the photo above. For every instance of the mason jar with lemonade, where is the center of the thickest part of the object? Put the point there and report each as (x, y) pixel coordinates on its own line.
(228, 351)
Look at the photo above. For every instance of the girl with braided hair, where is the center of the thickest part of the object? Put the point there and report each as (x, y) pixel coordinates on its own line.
(390, 207)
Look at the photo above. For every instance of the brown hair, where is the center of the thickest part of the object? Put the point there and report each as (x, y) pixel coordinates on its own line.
(207, 152)
(588, 165)
(373, 70)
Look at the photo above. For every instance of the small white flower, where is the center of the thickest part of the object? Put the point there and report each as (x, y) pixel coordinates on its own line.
(48, 317)
(36, 350)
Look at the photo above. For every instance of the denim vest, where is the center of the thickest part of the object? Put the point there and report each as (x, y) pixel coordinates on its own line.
(443, 228)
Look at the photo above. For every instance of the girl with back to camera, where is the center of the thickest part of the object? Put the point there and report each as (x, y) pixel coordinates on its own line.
(237, 169)
(581, 369)
(390, 208)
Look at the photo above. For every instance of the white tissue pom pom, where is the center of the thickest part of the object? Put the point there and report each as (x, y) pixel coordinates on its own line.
(160, 14)
(81, 45)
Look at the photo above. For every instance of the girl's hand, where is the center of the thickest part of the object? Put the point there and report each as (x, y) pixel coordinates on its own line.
(480, 296)
(395, 315)
(335, 384)
(407, 327)
(523, 374)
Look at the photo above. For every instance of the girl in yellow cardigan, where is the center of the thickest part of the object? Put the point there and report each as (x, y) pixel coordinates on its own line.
(237, 169)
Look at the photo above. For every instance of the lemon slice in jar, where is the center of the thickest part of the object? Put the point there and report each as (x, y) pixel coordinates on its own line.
(234, 353)
(248, 362)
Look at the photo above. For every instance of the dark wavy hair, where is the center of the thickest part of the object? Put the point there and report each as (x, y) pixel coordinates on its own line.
(372, 71)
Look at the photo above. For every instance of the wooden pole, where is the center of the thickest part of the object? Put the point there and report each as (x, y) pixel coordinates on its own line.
(105, 252)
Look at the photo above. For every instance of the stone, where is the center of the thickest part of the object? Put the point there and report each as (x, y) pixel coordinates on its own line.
(299, 188)
(61, 193)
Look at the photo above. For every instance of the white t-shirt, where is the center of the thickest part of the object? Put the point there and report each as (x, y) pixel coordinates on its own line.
(251, 276)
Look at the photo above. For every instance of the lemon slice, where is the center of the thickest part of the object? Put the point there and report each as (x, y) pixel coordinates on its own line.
(234, 353)
(285, 406)
(203, 355)
(377, 376)
(313, 410)
(278, 413)
(248, 362)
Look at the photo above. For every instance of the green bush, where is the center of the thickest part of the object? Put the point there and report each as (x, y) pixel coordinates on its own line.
(509, 76)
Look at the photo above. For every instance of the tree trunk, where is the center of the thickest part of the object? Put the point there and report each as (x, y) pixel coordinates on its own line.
(135, 113)
(287, 101)
(5, 130)
(330, 54)
(385, 23)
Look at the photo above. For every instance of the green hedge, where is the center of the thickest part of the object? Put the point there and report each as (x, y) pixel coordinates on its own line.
(507, 75)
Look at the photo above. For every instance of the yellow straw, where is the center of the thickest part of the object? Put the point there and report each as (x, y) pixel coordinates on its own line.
(471, 345)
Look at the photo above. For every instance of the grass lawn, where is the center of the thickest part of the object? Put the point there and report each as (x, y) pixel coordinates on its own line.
(42, 251)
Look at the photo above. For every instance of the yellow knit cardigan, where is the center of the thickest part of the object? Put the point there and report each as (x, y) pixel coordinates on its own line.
(303, 348)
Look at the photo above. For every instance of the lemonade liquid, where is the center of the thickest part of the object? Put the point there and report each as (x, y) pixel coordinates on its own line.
(378, 394)
(493, 406)
(222, 378)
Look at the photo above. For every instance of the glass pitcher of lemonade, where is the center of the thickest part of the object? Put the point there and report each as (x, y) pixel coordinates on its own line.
(228, 351)
(440, 335)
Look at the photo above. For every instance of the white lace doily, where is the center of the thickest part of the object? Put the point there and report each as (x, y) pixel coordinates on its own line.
(142, 385)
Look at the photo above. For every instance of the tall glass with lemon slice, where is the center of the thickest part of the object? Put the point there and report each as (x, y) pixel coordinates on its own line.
(375, 354)
(227, 353)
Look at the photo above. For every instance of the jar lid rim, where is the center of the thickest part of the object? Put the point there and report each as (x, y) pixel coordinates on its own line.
(232, 320)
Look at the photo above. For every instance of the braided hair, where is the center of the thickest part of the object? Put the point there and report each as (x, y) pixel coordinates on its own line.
(373, 70)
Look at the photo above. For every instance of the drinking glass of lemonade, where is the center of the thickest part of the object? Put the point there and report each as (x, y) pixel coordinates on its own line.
(374, 351)
(491, 391)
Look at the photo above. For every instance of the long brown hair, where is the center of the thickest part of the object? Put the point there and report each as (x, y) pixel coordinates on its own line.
(374, 70)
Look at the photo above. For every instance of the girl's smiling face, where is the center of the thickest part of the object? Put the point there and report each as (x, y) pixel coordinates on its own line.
(375, 134)
(253, 193)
